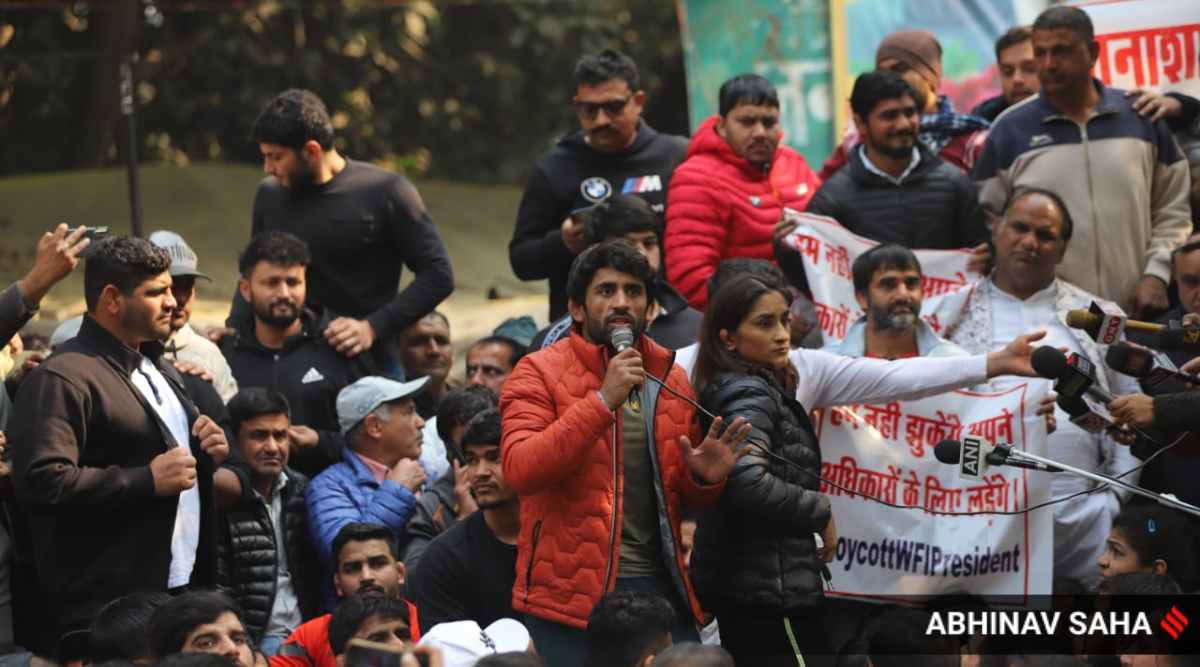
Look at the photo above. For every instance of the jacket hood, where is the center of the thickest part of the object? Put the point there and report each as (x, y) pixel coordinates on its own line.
(706, 141)
(576, 141)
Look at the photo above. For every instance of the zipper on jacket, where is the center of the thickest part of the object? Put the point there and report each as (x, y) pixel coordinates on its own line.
(275, 581)
(1087, 167)
(612, 535)
(537, 533)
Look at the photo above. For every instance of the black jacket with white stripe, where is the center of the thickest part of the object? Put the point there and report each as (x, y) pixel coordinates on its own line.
(310, 374)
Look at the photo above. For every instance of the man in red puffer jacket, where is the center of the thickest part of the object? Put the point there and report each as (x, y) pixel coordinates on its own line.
(732, 187)
(604, 472)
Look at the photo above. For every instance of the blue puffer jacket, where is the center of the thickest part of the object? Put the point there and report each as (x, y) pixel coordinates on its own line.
(345, 493)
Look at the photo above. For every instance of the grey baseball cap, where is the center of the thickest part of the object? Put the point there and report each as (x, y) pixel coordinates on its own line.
(183, 258)
(357, 400)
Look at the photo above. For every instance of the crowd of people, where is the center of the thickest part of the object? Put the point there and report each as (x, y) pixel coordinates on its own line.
(639, 482)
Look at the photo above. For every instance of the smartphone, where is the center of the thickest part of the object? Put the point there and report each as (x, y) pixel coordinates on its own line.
(362, 653)
(580, 215)
(92, 233)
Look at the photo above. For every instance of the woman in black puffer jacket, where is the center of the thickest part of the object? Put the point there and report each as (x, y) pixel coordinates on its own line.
(756, 562)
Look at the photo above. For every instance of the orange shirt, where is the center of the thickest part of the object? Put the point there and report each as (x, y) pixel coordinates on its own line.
(309, 644)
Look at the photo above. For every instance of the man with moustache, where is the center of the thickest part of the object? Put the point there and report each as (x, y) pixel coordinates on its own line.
(1120, 174)
(895, 190)
(887, 285)
(283, 349)
(467, 572)
(426, 350)
(113, 452)
(266, 562)
(613, 152)
(591, 459)
(916, 55)
(1022, 293)
(379, 475)
(366, 563)
(362, 223)
(731, 191)
(490, 360)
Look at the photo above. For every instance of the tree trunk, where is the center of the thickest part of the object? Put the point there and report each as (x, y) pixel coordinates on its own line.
(115, 27)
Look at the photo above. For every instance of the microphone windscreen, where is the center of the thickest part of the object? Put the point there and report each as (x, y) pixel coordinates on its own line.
(1130, 360)
(1049, 362)
(1082, 319)
(948, 451)
(621, 338)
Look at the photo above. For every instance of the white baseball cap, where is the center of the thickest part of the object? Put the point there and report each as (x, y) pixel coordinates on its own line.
(357, 400)
(463, 642)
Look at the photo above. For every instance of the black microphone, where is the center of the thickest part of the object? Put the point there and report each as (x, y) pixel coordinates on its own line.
(1155, 376)
(1082, 415)
(622, 339)
(1176, 336)
(1073, 376)
(950, 453)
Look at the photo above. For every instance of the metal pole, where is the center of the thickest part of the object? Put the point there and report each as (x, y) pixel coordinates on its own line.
(1169, 501)
(131, 165)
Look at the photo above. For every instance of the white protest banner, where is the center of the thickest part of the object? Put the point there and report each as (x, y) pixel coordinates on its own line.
(886, 452)
(829, 250)
(1147, 44)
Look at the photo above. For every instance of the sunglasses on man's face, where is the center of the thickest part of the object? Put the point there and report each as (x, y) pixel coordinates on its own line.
(611, 107)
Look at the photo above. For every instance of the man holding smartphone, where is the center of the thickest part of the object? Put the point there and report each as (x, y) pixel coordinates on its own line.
(613, 152)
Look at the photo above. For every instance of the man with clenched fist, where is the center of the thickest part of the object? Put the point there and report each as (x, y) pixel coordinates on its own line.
(115, 463)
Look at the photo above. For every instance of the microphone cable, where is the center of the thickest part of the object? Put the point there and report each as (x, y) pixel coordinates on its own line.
(1054, 501)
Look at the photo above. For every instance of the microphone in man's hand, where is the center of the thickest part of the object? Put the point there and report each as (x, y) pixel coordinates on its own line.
(1073, 376)
(1156, 374)
(622, 339)
(1082, 415)
(1075, 383)
(1105, 328)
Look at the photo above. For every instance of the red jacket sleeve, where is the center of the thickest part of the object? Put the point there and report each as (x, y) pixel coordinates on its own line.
(538, 447)
(696, 231)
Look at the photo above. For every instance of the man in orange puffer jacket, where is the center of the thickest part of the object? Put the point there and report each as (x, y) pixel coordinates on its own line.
(732, 187)
(604, 474)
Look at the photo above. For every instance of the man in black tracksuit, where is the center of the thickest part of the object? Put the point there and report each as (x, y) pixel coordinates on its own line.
(615, 152)
(284, 349)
